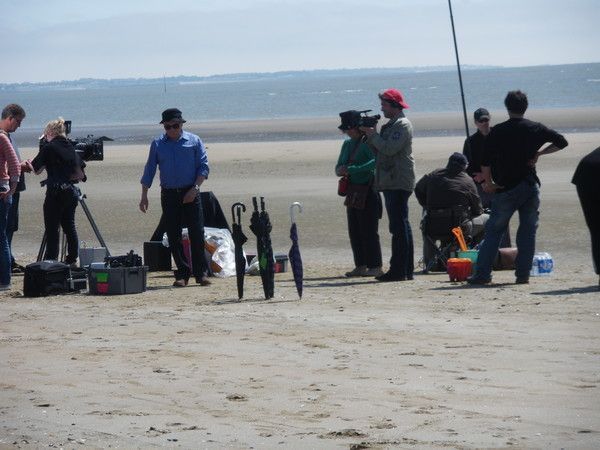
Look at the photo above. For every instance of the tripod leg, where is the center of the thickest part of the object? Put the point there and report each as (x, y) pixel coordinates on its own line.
(88, 214)
(63, 247)
(40, 255)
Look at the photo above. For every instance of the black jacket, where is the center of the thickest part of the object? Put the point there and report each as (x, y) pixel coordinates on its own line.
(445, 188)
(60, 160)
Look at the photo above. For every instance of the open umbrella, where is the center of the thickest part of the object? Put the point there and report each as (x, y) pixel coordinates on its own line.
(260, 224)
(294, 254)
(239, 239)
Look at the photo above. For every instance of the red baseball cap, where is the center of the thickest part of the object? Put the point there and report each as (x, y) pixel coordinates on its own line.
(394, 96)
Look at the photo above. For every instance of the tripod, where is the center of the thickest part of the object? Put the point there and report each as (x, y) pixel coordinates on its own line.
(81, 198)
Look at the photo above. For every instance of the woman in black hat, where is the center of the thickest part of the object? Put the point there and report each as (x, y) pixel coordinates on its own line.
(363, 204)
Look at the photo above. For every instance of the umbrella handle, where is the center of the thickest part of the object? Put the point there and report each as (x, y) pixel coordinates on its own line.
(262, 204)
(255, 203)
(292, 215)
(239, 207)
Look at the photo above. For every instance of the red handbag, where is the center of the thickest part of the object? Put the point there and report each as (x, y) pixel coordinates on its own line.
(343, 186)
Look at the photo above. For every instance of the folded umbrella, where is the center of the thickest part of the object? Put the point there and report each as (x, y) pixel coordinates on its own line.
(239, 239)
(260, 224)
(294, 253)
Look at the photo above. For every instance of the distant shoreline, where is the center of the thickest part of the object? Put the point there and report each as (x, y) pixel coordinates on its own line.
(83, 83)
(565, 120)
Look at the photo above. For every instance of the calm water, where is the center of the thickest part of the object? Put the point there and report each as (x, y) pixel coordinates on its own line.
(294, 96)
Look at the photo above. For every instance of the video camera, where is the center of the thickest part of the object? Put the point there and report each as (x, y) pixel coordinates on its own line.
(366, 120)
(88, 148)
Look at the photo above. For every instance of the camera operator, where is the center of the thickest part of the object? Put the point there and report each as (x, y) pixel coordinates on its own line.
(64, 167)
(395, 177)
(363, 204)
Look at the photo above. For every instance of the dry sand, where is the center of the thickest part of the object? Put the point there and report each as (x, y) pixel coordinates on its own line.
(354, 364)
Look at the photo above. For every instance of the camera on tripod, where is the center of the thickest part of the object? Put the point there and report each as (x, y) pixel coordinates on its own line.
(366, 120)
(88, 148)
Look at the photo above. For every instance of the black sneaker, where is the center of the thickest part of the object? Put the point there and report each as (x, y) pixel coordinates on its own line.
(478, 281)
(522, 280)
(389, 276)
(17, 268)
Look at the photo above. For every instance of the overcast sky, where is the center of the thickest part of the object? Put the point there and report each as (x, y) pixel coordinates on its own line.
(46, 40)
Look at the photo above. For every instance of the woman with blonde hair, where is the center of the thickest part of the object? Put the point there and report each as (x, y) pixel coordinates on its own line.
(64, 167)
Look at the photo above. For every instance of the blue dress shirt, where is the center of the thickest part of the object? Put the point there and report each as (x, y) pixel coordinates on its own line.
(181, 162)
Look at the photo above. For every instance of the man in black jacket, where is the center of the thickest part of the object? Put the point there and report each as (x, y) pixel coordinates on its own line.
(587, 180)
(451, 188)
(473, 150)
(508, 167)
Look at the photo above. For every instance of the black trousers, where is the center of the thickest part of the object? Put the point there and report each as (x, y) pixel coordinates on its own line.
(590, 203)
(178, 215)
(59, 211)
(363, 229)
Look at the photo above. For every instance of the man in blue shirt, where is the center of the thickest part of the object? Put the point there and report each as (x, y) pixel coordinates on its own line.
(181, 158)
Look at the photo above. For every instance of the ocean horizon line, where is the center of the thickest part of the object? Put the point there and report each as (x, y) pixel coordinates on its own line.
(90, 82)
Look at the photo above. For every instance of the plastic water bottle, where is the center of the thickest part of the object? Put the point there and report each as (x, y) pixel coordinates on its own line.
(547, 264)
(542, 265)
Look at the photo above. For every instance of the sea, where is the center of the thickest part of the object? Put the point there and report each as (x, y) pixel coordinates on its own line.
(298, 95)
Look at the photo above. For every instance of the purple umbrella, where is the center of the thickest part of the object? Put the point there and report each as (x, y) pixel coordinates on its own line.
(294, 254)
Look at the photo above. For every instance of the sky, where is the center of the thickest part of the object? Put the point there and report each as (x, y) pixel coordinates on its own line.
(53, 40)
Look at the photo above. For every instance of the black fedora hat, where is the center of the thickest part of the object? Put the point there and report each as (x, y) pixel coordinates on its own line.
(350, 119)
(171, 114)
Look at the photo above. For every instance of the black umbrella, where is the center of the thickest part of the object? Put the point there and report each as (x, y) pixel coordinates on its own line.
(294, 254)
(239, 239)
(260, 224)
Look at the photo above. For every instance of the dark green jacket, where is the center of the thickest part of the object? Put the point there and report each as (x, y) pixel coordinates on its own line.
(362, 168)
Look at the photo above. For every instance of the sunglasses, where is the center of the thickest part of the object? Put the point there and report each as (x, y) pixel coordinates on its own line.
(175, 126)
(483, 120)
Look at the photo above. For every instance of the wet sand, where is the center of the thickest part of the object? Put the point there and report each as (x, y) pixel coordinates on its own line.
(354, 364)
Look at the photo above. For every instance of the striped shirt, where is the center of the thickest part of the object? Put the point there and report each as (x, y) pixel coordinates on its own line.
(10, 168)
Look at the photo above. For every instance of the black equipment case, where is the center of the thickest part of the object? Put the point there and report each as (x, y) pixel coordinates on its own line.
(46, 278)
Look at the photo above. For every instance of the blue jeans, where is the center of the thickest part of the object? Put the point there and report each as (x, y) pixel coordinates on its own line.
(4, 249)
(402, 260)
(524, 198)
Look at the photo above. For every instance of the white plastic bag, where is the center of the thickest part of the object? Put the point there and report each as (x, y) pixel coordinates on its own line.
(220, 250)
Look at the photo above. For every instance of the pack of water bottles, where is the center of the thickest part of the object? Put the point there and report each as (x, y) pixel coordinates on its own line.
(543, 264)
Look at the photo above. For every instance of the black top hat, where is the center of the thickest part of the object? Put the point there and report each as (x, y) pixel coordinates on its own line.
(171, 114)
(350, 119)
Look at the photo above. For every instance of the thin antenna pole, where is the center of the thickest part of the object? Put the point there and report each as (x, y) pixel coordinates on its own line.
(462, 92)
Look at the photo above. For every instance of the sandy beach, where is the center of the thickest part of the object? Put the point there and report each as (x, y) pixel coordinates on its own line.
(354, 364)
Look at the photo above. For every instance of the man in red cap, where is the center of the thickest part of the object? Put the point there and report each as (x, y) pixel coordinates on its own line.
(395, 177)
